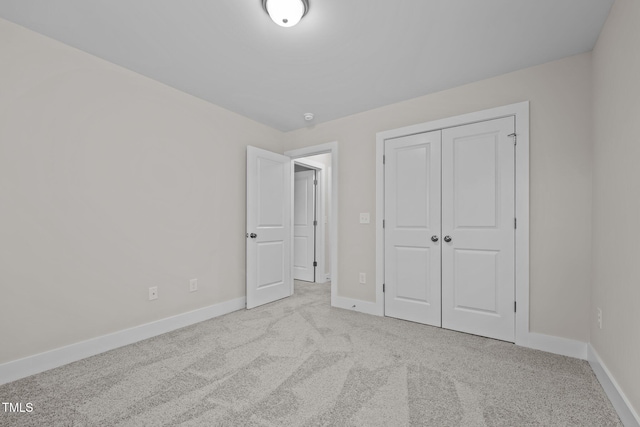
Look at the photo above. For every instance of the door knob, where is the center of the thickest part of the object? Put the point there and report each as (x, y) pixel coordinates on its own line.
(253, 235)
(447, 239)
(434, 238)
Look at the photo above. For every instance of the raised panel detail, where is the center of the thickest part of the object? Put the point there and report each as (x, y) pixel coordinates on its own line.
(412, 274)
(270, 209)
(301, 213)
(476, 280)
(270, 260)
(412, 186)
(476, 181)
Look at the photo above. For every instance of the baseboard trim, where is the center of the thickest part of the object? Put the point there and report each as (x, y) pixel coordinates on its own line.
(556, 345)
(21, 368)
(627, 414)
(356, 305)
(548, 343)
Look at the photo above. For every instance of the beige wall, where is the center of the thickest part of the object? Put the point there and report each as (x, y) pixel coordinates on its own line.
(560, 95)
(616, 197)
(110, 183)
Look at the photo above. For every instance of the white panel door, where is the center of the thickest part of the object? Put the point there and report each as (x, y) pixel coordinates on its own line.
(303, 225)
(478, 210)
(268, 227)
(412, 228)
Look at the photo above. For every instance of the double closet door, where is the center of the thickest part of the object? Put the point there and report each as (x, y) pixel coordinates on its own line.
(450, 228)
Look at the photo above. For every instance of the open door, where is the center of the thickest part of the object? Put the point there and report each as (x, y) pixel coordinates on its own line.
(304, 225)
(268, 227)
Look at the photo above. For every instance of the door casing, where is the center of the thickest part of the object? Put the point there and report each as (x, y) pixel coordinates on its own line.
(520, 112)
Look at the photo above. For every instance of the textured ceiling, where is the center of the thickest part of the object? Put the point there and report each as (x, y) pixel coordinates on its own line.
(345, 56)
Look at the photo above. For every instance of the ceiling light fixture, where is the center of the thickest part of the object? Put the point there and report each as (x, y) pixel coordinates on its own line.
(286, 13)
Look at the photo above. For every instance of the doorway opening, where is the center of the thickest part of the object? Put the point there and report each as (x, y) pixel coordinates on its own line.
(311, 165)
(311, 212)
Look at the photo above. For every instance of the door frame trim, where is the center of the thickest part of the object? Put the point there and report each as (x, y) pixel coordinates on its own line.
(521, 113)
(320, 274)
(329, 147)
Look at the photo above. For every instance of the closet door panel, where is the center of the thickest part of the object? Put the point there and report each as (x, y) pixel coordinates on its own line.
(478, 212)
(412, 218)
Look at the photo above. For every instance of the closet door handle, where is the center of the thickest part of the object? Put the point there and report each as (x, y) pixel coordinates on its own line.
(447, 239)
(434, 238)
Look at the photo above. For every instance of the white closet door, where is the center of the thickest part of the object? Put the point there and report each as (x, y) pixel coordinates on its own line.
(412, 218)
(303, 228)
(478, 210)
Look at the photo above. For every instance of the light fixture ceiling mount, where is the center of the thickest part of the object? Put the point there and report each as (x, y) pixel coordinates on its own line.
(286, 13)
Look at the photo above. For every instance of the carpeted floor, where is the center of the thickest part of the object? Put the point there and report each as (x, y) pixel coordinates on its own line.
(298, 362)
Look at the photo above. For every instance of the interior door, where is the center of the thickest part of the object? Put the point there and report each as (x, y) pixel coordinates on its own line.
(478, 229)
(412, 228)
(303, 225)
(268, 227)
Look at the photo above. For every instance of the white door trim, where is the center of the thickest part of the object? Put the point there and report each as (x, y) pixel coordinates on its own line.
(321, 276)
(329, 147)
(521, 113)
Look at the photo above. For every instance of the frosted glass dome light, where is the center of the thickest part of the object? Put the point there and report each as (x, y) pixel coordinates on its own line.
(286, 13)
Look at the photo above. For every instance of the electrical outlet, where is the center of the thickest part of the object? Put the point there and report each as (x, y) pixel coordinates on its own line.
(193, 285)
(599, 312)
(153, 293)
(363, 278)
(364, 218)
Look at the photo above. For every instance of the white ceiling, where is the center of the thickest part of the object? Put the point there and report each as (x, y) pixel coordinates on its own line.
(345, 56)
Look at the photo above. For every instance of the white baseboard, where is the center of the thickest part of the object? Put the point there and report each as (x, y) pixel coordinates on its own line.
(627, 414)
(556, 345)
(31, 365)
(356, 305)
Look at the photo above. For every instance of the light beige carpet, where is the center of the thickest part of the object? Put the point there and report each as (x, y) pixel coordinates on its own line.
(298, 362)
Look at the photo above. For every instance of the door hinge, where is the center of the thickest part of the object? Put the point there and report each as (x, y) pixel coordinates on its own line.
(383, 288)
(515, 138)
(315, 182)
(315, 263)
(514, 307)
(383, 223)
(384, 159)
(315, 223)
(515, 223)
